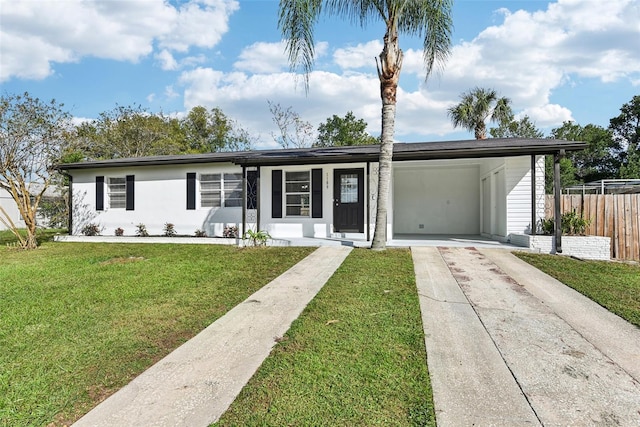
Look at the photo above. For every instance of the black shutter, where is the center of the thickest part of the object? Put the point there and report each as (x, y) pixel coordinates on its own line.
(316, 193)
(191, 190)
(99, 193)
(130, 192)
(276, 194)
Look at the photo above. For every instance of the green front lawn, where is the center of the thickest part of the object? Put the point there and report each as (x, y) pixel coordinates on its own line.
(355, 357)
(42, 235)
(615, 286)
(79, 321)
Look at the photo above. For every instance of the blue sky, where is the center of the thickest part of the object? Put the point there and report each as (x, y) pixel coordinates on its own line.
(562, 60)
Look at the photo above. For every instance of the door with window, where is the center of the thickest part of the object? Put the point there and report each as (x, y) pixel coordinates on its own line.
(348, 200)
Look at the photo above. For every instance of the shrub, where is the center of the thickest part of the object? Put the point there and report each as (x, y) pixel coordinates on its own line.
(257, 238)
(169, 230)
(230, 232)
(572, 224)
(200, 233)
(119, 231)
(91, 230)
(141, 230)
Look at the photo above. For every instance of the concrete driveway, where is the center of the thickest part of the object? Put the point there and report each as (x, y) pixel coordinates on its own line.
(508, 345)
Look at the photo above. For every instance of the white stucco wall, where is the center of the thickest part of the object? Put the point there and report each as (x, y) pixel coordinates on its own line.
(160, 197)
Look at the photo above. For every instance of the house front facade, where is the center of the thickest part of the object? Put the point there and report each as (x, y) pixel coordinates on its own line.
(492, 188)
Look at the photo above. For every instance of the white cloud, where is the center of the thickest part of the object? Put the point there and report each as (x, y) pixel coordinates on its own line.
(362, 55)
(167, 61)
(263, 57)
(36, 34)
(547, 115)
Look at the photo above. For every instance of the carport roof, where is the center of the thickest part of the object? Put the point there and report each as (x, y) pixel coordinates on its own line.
(494, 147)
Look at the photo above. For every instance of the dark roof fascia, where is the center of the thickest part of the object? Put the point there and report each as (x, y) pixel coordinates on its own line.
(226, 157)
(466, 149)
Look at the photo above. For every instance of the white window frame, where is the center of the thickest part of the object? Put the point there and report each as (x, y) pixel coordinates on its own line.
(117, 186)
(220, 189)
(296, 188)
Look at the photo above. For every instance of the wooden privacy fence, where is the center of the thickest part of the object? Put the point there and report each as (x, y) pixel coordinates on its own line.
(612, 215)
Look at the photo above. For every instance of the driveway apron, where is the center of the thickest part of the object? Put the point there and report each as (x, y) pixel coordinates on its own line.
(511, 359)
(197, 382)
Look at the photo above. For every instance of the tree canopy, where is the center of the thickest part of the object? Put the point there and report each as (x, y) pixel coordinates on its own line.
(625, 129)
(130, 131)
(339, 131)
(33, 137)
(522, 128)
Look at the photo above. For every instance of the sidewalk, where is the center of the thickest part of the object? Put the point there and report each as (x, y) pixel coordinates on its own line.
(198, 381)
(508, 345)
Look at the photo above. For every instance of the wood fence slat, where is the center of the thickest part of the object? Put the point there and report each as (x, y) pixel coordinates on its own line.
(592, 202)
(635, 232)
(619, 228)
(601, 218)
(628, 244)
(609, 221)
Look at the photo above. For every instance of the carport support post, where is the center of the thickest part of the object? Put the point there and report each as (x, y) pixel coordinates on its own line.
(368, 207)
(557, 216)
(534, 222)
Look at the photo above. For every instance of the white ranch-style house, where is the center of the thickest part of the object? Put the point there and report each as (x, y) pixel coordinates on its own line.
(492, 188)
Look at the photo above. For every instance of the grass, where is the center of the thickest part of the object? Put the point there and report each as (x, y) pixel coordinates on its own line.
(42, 235)
(79, 321)
(615, 286)
(356, 355)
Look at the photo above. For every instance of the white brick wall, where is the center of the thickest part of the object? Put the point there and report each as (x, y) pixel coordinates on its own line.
(586, 247)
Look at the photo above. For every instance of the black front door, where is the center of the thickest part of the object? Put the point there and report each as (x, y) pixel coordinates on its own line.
(348, 200)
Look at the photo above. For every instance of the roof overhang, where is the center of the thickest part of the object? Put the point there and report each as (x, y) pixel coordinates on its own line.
(465, 149)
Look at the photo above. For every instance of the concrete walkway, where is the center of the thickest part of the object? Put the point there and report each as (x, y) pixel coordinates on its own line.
(508, 345)
(197, 382)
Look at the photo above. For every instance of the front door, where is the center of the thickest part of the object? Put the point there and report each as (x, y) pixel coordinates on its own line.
(348, 200)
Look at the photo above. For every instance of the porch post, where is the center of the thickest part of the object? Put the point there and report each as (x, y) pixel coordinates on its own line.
(556, 200)
(258, 199)
(533, 195)
(244, 199)
(70, 199)
(367, 205)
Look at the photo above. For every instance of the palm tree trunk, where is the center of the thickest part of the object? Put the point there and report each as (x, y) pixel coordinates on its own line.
(389, 74)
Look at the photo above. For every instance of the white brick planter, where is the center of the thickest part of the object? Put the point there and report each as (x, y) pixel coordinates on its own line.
(586, 247)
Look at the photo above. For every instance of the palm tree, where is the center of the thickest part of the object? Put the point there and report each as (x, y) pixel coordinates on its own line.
(430, 19)
(478, 105)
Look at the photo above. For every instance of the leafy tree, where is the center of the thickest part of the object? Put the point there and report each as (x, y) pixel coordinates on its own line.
(476, 107)
(130, 132)
(33, 136)
(294, 132)
(338, 131)
(522, 128)
(567, 173)
(625, 129)
(600, 160)
(428, 18)
(213, 131)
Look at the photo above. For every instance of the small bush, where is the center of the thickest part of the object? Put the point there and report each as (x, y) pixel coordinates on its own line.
(230, 232)
(169, 230)
(119, 231)
(141, 230)
(200, 233)
(91, 230)
(257, 238)
(572, 224)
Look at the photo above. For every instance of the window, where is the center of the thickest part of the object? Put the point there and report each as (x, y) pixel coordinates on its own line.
(210, 189)
(220, 190)
(297, 189)
(117, 190)
(232, 189)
